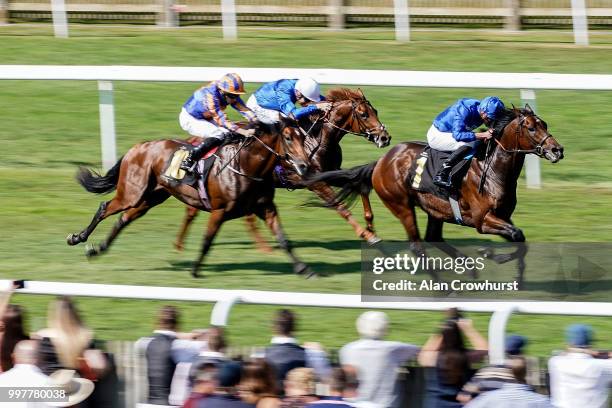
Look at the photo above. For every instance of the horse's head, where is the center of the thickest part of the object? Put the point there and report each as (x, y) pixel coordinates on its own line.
(352, 113)
(533, 132)
(289, 144)
(528, 134)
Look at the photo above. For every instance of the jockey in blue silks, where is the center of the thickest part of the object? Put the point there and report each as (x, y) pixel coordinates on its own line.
(452, 130)
(279, 98)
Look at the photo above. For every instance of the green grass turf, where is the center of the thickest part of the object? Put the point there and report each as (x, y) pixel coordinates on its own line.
(49, 128)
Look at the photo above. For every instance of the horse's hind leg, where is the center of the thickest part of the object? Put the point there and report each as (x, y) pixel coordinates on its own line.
(260, 242)
(326, 193)
(106, 209)
(269, 214)
(190, 214)
(368, 215)
(151, 200)
(433, 235)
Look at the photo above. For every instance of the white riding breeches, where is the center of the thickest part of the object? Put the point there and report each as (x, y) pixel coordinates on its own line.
(200, 127)
(264, 115)
(442, 140)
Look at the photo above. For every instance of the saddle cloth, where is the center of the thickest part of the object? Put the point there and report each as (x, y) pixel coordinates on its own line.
(427, 166)
(197, 180)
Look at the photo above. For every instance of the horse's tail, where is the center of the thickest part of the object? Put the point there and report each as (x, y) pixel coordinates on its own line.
(352, 182)
(95, 182)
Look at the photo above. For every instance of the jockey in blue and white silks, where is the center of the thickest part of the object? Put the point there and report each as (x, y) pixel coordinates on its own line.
(204, 115)
(279, 97)
(452, 130)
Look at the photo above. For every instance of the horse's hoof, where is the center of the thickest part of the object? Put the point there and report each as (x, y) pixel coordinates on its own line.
(309, 273)
(485, 252)
(502, 258)
(91, 251)
(72, 239)
(179, 246)
(373, 240)
(300, 268)
(195, 273)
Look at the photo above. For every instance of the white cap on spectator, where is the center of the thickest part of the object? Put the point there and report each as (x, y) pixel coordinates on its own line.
(372, 325)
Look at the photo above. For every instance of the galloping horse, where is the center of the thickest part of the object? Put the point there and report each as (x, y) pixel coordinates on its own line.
(351, 113)
(239, 183)
(518, 132)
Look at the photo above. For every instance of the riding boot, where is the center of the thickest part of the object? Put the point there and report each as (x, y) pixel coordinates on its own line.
(443, 178)
(197, 152)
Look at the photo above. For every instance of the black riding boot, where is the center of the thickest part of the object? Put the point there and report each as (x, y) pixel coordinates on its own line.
(196, 154)
(443, 178)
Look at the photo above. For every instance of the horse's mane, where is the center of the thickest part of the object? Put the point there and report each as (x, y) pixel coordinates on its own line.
(343, 94)
(505, 117)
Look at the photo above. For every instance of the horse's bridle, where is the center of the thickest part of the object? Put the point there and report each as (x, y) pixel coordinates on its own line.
(364, 131)
(539, 146)
(538, 150)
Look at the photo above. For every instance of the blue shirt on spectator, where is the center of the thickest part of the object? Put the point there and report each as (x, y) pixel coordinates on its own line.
(460, 119)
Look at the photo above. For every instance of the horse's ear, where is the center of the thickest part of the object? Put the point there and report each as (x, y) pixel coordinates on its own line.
(361, 93)
(515, 110)
(528, 109)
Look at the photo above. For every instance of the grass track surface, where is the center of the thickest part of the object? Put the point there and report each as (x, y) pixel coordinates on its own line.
(49, 128)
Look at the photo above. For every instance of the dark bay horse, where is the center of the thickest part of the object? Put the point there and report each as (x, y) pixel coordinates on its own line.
(516, 133)
(351, 113)
(240, 183)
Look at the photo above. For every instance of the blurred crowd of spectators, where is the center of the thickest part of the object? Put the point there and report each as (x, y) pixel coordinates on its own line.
(193, 369)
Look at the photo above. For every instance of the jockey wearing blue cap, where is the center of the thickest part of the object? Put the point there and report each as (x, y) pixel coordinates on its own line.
(279, 98)
(452, 130)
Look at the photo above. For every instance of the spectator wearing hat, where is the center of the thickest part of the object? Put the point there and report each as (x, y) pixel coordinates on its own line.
(494, 377)
(377, 360)
(577, 378)
(225, 395)
(514, 394)
(299, 388)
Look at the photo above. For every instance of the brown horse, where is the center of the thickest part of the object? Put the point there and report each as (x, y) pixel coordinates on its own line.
(516, 133)
(351, 113)
(239, 183)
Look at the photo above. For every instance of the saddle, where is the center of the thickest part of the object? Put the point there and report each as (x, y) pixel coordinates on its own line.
(427, 165)
(174, 175)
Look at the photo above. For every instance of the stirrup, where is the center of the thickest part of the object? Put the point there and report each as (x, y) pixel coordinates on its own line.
(438, 181)
(188, 165)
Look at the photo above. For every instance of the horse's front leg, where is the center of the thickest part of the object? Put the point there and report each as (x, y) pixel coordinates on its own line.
(214, 225)
(326, 193)
(269, 214)
(495, 225)
(260, 242)
(190, 214)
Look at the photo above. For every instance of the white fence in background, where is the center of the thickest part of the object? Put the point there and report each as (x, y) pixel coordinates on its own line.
(335, 12)
(526, 82)
(225, 299)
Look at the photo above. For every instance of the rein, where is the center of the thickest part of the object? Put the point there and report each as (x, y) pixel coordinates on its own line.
(246, 143)
(538, 150)
(363, 129)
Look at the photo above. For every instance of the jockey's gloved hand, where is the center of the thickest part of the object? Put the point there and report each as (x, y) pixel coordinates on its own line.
(324, 106)
(246, 132)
